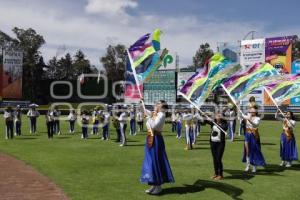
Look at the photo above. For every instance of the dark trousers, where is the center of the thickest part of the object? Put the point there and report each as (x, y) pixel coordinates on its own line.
(10, 129)
(174, 126)
(72, 126)
(217, 150)
(18, 128)
(50, 129)
(141, 126)
(85, 131)
(198, 126)
(33, 124)
(105, 132)
(95, 127)
(132, 126)
(56, 126)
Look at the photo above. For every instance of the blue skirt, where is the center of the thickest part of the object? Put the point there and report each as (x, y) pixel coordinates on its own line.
(288, 148)
(156, 168)
(255, 154)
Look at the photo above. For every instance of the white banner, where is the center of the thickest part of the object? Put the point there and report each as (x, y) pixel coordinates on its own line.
(252, 52)
(169, 62)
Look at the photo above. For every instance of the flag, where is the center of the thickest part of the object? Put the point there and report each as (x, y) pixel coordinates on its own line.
(81, 79)
(285, 89)
(200, 86)
(243, 83)
(144, 57)
(99, 76)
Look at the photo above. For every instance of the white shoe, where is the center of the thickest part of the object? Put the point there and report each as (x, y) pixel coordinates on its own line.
(121, 145)
(288, 164)
(150, 190)
(15, 134)
(81, 136)
(102, 138)
(157, 190)
(134, 134)
(282, 163)
(70, 131)
(247, 168)
(254, 169)
(30, 132)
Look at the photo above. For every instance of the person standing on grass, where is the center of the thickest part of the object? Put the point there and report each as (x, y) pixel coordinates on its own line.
(230, 115)
(140, 120)
(188, 123)
(116, 124)
(173, 119)
(132, 122)
(156, 169)
(288, 146)
(72, 117)
(252, 148)
(50, 123)
(84, 124)
(18, 120)
(217, 144)
(56, 113)
(105, 125)
(123, 124)
(9, 122)
(96, 118)
(179, 124)
(33, 114)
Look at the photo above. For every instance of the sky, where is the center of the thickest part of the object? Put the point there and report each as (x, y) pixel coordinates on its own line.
(91, 25)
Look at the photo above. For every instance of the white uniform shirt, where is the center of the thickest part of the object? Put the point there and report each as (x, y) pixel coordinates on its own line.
(255, 121)
(157, 123)
(139, 116)
(72, 116)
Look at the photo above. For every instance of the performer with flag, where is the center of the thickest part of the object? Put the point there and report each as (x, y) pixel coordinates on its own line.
(252, 148)
(188, 123)
(288, 146)
(156, 169)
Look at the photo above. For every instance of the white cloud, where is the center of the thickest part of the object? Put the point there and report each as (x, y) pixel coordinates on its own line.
(92, 33)
(110, 8)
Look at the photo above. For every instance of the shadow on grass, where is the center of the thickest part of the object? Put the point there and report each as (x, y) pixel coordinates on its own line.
(200, 185)
(26, 138)
(63, 137)
(198, 148)
(268, 144)
(135, 145)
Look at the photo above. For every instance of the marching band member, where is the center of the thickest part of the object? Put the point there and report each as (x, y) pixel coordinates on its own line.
(173, 118)
(50, 123)
(230, 115)
(85, 123)
(288, 146)
(140, 120)
(156, 169)
(132, 122)
(96, 118)
(33, 114)
(188, 122)
(72, 117)
(9, 122)
(179, 124)
(56, 113)
(123, 124)
(116, 124)
(18, 120)
(252, 148)
(105, 125)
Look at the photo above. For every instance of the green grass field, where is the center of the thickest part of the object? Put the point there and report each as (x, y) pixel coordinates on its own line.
(96, 169)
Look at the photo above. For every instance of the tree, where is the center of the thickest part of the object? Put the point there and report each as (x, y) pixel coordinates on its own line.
(202, 55)
(30, 42)
(81, 64)
(114, 62)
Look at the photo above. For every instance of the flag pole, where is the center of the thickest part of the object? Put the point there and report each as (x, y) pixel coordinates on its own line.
(273, 100)
(232, 99)
(201, 112)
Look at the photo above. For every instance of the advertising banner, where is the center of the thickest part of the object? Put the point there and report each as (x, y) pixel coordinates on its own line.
(252, 52)
(279, 54)
(12, 72)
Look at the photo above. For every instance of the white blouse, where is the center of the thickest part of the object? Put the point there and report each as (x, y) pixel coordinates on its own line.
(157, 123)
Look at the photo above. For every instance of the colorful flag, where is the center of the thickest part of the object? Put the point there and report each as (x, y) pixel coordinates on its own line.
(145, 59)
(242, 84)
(285, 89)
(200, 86)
